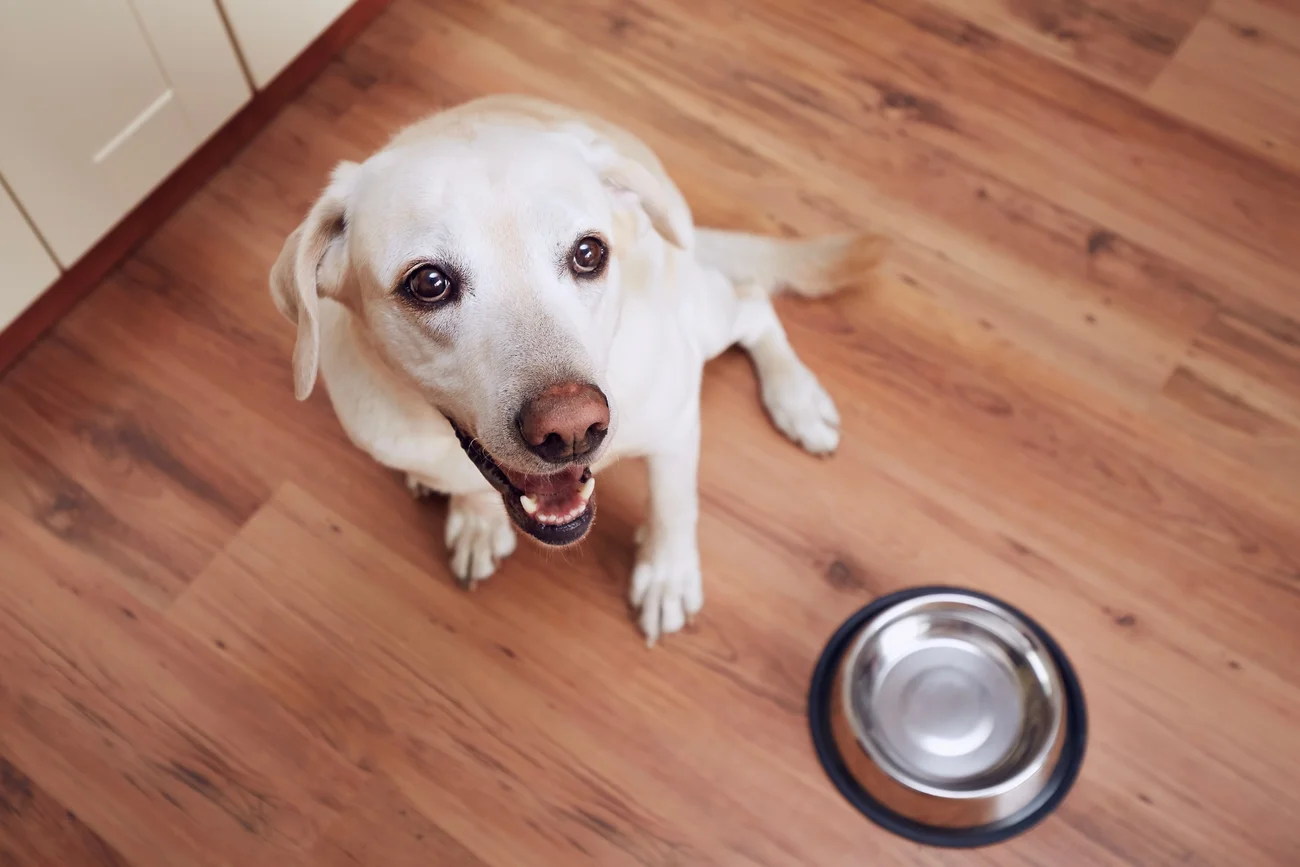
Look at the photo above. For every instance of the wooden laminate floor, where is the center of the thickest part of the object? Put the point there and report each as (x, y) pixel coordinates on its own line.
(227, 638)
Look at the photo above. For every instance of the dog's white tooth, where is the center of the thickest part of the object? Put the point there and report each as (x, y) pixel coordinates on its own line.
(529, 504)
(588, 487)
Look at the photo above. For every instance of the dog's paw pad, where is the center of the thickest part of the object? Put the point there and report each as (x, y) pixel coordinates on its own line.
(667, 591)
(479, 537)
(802, 410)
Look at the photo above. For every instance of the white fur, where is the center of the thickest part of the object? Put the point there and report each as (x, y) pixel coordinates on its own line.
(500, 185)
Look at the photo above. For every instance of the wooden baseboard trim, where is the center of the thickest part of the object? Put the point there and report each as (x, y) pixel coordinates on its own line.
(136, 227)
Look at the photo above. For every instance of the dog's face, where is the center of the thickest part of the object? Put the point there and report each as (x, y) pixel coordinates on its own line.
(485, 269)
(487, 272)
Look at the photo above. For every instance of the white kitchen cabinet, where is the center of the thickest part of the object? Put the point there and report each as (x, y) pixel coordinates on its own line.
(271, 33)
(26, 269)
(101, 99)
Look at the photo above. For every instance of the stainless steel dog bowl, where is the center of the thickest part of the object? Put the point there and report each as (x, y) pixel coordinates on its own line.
(948, 716)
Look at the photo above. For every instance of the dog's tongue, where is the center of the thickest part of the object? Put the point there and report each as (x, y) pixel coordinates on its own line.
(552, 486)
(555, 498)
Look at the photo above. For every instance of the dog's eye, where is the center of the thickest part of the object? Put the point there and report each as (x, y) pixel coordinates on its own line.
(588, 256)
(429, 285)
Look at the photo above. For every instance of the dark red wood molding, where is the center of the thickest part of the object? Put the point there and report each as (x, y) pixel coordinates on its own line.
(86, 273)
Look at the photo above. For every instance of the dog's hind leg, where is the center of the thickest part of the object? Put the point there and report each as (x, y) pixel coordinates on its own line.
(757, 267)
(794, 399)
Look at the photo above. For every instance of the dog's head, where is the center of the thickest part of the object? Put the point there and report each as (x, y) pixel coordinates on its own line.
(484, 265)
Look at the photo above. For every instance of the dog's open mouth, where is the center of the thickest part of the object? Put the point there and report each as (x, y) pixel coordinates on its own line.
(554, 508)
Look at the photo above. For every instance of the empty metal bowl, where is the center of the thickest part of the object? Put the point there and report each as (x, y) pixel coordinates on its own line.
(948, 717)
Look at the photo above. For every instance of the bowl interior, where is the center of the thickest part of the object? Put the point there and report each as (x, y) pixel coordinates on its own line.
(953, 696)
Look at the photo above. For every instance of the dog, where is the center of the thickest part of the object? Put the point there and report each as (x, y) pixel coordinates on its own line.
(510, 296)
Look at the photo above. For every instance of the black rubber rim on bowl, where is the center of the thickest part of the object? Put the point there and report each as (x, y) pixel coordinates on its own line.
(1058, 785)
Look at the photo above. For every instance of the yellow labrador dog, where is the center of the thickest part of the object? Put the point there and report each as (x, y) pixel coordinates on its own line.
(510, 296)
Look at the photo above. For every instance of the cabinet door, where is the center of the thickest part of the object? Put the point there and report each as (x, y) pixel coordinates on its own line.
(270, 34)
(101, 100)
(25, 268)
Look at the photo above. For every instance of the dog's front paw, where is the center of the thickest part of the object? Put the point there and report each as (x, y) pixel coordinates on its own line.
(667, 590)
(479, 536)
(802, 409)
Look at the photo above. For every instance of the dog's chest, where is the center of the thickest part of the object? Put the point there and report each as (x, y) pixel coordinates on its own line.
(654, 376)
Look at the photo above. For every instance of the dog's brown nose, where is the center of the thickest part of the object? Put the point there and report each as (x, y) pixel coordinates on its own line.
(564, 422)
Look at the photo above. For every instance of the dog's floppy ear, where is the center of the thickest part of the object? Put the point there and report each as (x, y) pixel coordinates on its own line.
(646, 181)
(297, 280)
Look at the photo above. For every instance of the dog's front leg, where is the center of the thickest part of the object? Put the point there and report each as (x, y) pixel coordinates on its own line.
(666, 587)
(479, 532)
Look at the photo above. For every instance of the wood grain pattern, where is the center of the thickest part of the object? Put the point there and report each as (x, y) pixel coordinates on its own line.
(141, 729)
(1126, 42)
(38, 831)
(1256, 105)
(227, 637)
(387, 830)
